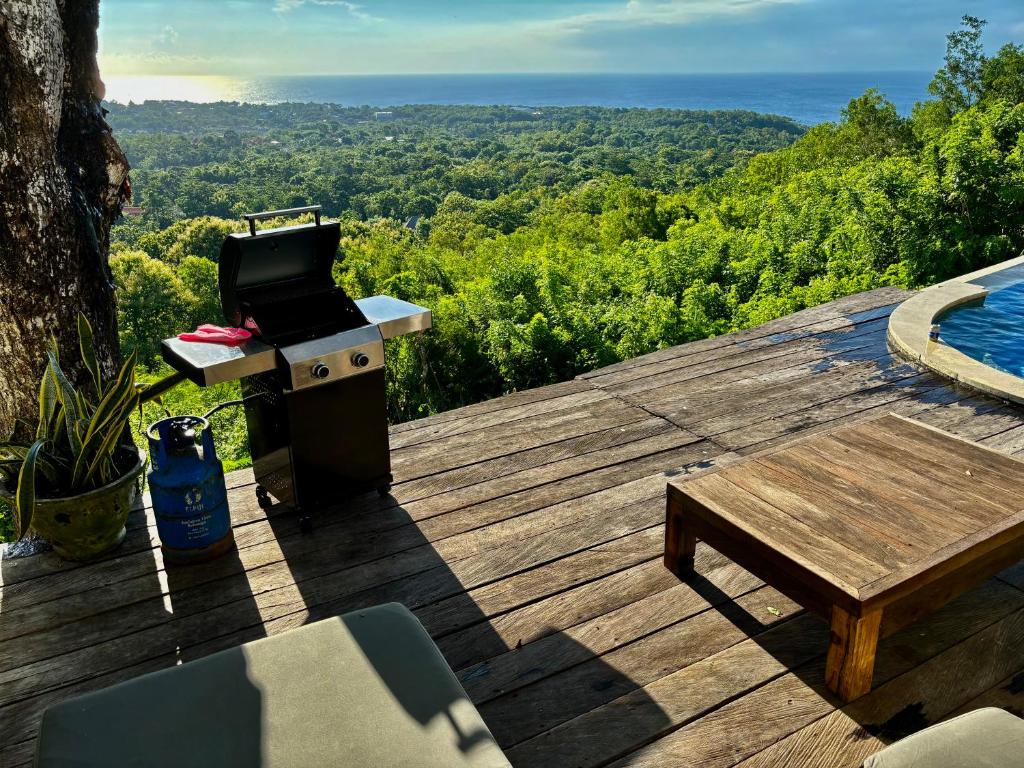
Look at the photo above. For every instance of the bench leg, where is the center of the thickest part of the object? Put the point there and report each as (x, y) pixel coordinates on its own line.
(680, 543)
(851, 653)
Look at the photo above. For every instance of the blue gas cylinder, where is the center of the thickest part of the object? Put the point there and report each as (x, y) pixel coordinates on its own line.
(186, 482)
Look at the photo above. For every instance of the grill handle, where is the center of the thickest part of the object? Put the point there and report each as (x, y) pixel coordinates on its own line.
(252, 218)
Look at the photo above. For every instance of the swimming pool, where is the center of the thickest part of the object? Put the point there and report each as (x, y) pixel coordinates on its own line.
(981, 329)
(990, 331)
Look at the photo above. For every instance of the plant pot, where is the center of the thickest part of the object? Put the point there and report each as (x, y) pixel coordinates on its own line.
(87, 525)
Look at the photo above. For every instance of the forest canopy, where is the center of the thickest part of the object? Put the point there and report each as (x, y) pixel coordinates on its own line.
(548, 243)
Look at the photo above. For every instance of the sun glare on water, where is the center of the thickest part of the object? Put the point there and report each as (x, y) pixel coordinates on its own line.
(197, 88)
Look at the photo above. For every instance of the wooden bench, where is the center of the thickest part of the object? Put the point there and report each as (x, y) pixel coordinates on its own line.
(871, 526)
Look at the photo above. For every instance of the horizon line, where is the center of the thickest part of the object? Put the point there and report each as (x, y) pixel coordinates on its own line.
(574, 73)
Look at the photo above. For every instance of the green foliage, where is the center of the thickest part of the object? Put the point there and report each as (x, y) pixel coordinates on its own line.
(196, 160)
(873, 128)
(958, 85)
(156, 300)
(550, 245)
(200, 237)
(1003, 75)
(77, 434)
(150, 302)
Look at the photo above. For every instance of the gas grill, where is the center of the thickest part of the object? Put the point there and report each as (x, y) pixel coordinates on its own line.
(312, 376)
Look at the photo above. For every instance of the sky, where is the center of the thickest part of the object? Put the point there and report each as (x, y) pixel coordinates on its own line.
(251, 38)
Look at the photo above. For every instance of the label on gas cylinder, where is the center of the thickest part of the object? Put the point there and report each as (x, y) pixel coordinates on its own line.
(195, 531)
(189, 518)
(196, 527)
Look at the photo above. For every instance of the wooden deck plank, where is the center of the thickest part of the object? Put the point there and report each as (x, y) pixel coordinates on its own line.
(398, 554)
(1007, 694)
(500, 403)
(720, 347)
(244, 509)
(543, 705)
(526, 534)
(911, 393)
(481, 642)
(287, 607)
(920, 399)
(744, 409)
(838, 311)
(523, 664)
(980, 414)
(1014, 575)
(232, 583)
(413, 576)
(440, 501)
(574, 448)
(508, 418)
(645, 714)
(678, 376)
(914, 700)
(490, 599)
(507, 437)
(474, 506)
(752, 723)
(1010, 441)
(475, 607)
(703, 401)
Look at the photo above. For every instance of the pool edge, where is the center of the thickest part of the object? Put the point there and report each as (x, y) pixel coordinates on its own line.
(911, 321)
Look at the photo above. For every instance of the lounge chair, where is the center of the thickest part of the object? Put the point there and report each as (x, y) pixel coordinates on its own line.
(984, 738)
(369, 688)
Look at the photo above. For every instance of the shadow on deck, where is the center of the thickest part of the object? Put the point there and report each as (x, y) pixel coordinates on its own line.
(526, 534)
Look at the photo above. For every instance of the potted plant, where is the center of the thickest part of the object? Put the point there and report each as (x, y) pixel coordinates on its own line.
(77, 480)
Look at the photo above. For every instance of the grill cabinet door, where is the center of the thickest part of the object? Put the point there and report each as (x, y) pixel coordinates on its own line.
(339, 434)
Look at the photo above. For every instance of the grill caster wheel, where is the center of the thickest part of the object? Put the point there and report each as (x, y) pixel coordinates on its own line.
(263, 498)
(306, 523)
(384, 490)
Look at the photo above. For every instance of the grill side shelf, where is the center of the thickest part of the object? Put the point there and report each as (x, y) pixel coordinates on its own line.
(206, 364)
(394, 317)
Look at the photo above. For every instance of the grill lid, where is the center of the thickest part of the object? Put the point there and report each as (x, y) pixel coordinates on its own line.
(279, 280)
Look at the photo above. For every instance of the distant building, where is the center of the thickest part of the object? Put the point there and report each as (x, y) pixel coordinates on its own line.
(411, 222)
(383, 115)
(132, 210)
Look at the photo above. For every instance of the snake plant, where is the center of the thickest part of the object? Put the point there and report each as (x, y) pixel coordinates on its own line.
(78, 434)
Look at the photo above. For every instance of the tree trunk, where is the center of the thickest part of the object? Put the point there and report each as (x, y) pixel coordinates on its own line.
(63, 179)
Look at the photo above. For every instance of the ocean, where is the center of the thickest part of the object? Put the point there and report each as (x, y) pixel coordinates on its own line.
(807, 98)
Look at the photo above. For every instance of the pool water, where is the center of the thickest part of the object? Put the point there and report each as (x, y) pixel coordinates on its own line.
(992, 331)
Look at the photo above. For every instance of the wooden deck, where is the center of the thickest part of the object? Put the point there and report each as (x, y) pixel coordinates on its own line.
(526, 533)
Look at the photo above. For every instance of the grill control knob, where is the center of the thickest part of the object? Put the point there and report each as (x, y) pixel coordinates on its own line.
(360, 360)
(320, 371)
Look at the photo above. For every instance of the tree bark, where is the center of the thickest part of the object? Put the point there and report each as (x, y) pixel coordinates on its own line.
(63, 179)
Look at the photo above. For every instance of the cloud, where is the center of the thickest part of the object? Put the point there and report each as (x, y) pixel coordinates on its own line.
(285, 6)
(565, 40)
(653, 13)
(167, 38)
